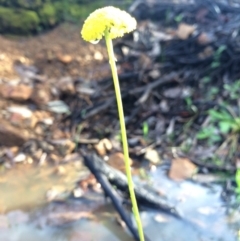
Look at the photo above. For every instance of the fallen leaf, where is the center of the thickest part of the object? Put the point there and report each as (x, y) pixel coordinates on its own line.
(116, 160)
(185, 30)
(182, 168)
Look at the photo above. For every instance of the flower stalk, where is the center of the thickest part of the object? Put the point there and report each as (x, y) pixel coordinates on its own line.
(123, 134)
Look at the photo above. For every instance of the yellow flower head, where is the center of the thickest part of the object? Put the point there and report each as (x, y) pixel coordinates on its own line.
(116, 21)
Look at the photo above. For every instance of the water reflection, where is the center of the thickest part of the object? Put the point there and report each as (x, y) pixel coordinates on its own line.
(92, 218)
(202, 208)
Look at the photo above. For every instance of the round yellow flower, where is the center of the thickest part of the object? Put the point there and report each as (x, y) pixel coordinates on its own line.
(116, 21)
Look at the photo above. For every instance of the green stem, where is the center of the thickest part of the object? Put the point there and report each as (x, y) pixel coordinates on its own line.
(124, 134)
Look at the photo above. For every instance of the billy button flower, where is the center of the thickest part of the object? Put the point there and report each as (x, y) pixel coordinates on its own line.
(111, 23)
(116, 21)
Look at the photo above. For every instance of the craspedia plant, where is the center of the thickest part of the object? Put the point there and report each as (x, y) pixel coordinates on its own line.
(116, 21)
(111, 23)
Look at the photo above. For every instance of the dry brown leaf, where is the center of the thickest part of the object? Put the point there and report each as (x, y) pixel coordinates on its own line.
(185, 30)
(116, 160)
(181, 169)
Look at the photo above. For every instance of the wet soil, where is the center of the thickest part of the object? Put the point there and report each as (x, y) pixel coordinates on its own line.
(57, 53)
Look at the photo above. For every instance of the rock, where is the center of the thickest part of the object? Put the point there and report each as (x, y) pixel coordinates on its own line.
(11, 136)
(152, 156)
(16, 93)
(41, 94)
(98, 56)
(60, 170)
(155, 73)
(205, 38)
(22, 116)
(78, 192)
(116, 160)
(21, 157)
(66, 85)
(65, 59)
(103, 146)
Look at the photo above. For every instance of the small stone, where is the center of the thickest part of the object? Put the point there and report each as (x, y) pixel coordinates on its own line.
(77, 192)
(65, 59)
(205, 38)
(39, 130)
(21, 157)
(22, 117)
(17, 93)
(66, 85)
(29, 160)
(60, 170)
(155, 73)
(11, 136)
(98, 56)
(152, 156)
(41, 94)
(103, 146)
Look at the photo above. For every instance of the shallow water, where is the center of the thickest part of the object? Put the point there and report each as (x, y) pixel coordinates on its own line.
(26, 185)
(203, 212)
(26, 215)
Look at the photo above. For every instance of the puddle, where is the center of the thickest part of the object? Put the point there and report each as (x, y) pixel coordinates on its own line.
(52, 223)
(26, 215)
(202, 208)
(23, 190)
(26, 186)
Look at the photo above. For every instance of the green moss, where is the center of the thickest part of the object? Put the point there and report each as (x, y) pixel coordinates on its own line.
(49, 15)
(80, 12)
(26, 4)
(82, 8)
(18, 21)
(29, 4)
(26, 16)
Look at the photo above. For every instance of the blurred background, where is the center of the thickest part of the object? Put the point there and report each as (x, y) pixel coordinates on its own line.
(180, 81)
